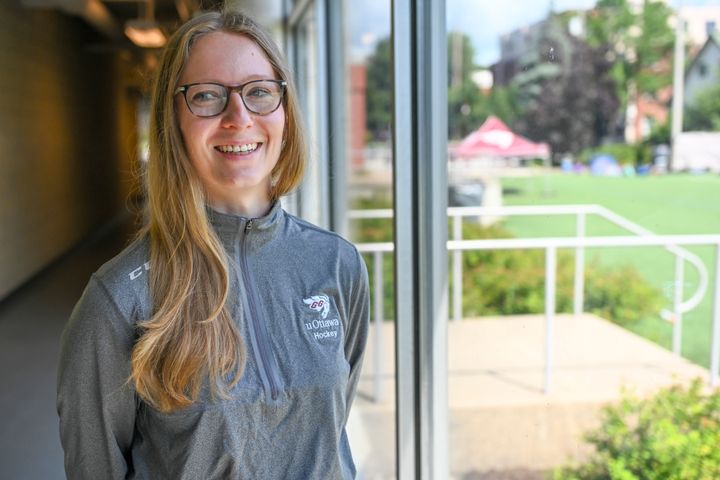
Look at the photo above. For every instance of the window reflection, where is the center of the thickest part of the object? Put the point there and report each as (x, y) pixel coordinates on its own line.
(369, 179)
(308, 72)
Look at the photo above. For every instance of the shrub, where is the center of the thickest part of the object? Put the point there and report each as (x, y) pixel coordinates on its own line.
(510, 282)
(373, 230)
(620, 294)
(673, 435)
(507, 282)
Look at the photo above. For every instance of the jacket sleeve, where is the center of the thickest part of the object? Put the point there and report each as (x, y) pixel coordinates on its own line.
(359, 319)
(95, 401)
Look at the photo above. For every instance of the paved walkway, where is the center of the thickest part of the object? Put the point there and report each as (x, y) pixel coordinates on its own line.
(500, 418)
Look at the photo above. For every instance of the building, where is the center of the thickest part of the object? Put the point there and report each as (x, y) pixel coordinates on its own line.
(703, 72)
(700, 21)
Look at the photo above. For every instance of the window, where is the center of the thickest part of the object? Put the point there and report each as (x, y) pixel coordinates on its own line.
(310, 69)
(369, 176)
(544, 125)
(565, 153)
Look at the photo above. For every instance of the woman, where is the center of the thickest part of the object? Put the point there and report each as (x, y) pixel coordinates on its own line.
(226, 341)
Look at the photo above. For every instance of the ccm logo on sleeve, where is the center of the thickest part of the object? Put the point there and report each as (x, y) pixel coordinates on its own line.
(139, 271)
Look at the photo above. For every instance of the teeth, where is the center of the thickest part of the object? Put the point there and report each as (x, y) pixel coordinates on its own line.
(248, 147)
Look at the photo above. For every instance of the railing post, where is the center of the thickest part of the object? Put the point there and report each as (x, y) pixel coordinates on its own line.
(550, 268)
(677, 302)
(579, 286)
(715, 345)
(457, 270)
(378, 320)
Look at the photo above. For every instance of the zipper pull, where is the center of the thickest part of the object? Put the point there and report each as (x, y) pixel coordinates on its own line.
(248, 226)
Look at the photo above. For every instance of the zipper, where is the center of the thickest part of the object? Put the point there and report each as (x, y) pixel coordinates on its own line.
(257, 326)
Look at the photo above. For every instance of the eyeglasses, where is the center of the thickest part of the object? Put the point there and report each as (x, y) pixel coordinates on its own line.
(261, 97)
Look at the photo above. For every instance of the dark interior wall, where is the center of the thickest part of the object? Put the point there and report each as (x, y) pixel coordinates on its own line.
(66, 138)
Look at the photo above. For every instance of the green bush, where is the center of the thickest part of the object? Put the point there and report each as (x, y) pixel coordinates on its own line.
(675, 435)
(373, 230)
(620, 294)
(507, 282)
(510, 282)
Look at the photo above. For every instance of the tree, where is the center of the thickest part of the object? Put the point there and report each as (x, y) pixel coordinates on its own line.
(608, 27)
(567, 93)
(461, 64)
(465, 100)
(639, 45)
(704, 113)
(654, 49)
(378, 97)
(464, 96)
(468, 105)
(468, 108)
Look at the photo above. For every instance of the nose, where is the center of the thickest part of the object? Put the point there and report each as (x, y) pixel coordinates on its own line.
(236, 114)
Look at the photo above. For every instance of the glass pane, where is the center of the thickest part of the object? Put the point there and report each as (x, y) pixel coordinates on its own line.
(565, 114)
(308, 72)
(369, 179)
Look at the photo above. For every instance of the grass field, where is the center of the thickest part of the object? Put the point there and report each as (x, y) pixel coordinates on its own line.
(669, 204)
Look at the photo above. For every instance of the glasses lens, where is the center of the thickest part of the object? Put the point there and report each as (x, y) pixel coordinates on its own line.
(206, 99)
(262, 96)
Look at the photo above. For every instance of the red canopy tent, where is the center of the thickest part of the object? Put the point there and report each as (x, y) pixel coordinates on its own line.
(494, 139)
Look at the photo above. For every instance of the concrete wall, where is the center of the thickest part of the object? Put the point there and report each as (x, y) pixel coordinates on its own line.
(66, 138)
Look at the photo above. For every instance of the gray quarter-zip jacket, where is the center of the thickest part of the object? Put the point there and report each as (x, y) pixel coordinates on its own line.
(299, 295)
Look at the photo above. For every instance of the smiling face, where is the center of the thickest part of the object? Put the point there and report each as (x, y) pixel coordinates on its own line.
(234, 152)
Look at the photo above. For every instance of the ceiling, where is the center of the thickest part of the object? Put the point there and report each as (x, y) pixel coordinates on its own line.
(108, 17)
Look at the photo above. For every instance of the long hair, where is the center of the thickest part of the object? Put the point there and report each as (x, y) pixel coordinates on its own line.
(191, 339)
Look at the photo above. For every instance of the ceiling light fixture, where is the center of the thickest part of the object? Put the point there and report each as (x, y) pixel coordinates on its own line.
(144, 31)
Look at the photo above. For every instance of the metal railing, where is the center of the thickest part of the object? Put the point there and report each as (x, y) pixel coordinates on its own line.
(580, 242)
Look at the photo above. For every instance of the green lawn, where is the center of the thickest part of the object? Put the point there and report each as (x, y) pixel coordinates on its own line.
(670, 204)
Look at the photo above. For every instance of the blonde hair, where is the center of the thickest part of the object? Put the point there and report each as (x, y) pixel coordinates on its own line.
(191, 337)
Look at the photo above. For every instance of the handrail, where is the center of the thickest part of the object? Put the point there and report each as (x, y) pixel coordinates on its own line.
(609, 215)
(551, 244)
(693, 301)
(560, 242)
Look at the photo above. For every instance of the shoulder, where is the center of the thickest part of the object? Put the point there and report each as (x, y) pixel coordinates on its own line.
(124, 277)
(106, 313)
(128, 265)
(322, 238)
(316, 241)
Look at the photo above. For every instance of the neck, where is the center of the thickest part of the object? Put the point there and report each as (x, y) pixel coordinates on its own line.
(249, 208)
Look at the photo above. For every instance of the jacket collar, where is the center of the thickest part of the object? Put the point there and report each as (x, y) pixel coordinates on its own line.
(229, 225)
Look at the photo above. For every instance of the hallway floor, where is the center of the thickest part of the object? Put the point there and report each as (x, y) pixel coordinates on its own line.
(31, 321)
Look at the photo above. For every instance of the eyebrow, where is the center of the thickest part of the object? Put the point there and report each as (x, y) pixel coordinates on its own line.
(246, 79)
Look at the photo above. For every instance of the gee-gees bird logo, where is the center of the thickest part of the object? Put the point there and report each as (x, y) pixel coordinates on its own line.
(319, 303)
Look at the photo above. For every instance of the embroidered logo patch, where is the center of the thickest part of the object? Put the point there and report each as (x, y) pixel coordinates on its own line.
(319, 303)
(323, 327)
